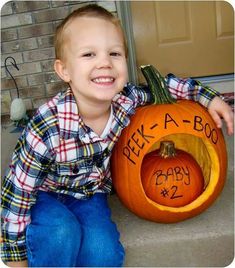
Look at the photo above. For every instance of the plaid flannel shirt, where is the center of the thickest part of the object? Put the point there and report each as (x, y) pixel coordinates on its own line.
(57, 152)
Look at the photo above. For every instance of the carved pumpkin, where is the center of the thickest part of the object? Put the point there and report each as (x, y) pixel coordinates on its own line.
(192, 130)
(171, 177)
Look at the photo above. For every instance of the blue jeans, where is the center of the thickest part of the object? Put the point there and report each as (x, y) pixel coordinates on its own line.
(66, 232)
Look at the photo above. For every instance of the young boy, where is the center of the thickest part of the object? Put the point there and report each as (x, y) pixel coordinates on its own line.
(54, 196)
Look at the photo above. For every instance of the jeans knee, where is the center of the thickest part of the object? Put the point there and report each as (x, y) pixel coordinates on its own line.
(102, 254)
(68, 233)
(64, 234)
(53, 246)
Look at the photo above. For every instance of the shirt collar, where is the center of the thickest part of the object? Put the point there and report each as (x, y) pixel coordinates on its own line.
(71, 124)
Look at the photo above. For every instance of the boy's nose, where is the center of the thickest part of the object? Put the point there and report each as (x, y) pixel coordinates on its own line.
(104, 62)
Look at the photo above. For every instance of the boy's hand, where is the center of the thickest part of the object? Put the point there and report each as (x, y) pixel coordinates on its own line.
(217, 109)
(17, 264)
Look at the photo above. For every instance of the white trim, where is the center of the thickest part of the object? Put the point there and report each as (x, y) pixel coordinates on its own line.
(216, 78)
(222, 83)
(124, 14)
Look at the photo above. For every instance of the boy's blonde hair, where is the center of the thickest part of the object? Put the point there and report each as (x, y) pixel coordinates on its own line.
(91, 10)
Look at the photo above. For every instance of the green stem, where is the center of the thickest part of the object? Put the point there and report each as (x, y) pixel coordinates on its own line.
(167, 149)
(157, 85)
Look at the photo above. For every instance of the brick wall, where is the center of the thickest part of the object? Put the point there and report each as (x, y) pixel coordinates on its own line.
(27, 30)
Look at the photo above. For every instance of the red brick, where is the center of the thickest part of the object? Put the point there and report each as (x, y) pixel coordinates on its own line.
(36, 30)
(31, 92)
(17, 56)
(51, 14)
(6, 9)
(37, 102)
(46, 41)
(48, 65)
(5, 102)
(28, 104)
(22, 6)
(9, 35)
(36, 55)
(40, 78)
(53, 88)
(8, 83)
(19, 45)
(5, 119)
(64, 3)
(26, 68)
(15, 21)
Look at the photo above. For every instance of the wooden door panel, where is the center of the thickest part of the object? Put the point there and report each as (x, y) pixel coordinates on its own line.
(188, 38)
(224, 17)
(178, 28)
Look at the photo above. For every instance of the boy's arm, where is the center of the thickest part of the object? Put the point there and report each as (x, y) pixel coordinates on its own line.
(26, 172)
(194, 90)
(187, 89)
(179, 88)
(217, 109)
(190, 89)
(17, 264)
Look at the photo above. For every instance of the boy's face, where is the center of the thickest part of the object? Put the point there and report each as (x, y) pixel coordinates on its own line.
(94, 61)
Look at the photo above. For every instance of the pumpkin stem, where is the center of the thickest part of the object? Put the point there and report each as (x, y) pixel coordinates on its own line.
(167, 149)
(157, 85)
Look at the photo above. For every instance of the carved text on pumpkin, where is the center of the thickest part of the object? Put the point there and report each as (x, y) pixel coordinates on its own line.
(136, 143)
(142, 136)
(174, 173)
(165, 192)
(210, 132)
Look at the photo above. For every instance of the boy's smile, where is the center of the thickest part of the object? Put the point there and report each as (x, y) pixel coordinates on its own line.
(103, 80)
(94, 62)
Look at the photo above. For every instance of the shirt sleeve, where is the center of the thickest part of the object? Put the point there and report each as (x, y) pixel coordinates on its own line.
(190, 89)
(140, 95)
(179, 88)
(27, 169)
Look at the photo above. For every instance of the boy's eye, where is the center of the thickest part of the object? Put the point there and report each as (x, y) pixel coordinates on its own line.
(115, 54)
(90, 54)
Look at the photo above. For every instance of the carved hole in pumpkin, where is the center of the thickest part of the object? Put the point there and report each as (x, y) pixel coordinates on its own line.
(201, 152)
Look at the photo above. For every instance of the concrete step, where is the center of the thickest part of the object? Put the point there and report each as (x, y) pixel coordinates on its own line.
(206, 240)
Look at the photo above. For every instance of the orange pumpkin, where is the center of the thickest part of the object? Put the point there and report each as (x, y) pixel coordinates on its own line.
(192, 130)
(171, 177)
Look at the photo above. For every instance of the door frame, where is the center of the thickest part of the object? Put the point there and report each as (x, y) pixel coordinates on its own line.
(125, 16)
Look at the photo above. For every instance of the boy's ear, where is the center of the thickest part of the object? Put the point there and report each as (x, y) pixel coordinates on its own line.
(61, 70)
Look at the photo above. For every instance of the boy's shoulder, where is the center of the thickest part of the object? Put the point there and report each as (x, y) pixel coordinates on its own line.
(51, 106)
(46, 116)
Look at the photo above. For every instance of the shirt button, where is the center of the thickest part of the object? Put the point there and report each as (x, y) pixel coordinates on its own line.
(75, 169)
(90, 162)
(99, 163)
